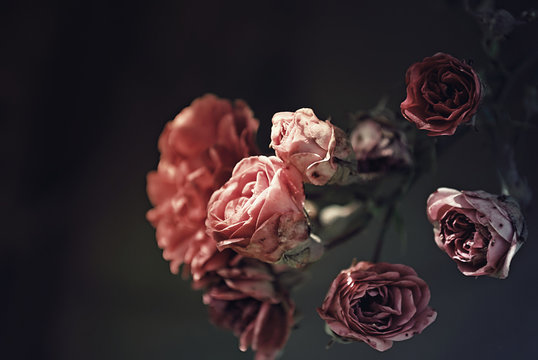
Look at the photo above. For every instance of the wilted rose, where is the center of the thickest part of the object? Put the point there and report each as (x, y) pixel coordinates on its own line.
(259, 213)
(311, 145)
(378, 146)
(442, 93)
(199, 149)
(378, 304)
(481, 232)
(250, 302)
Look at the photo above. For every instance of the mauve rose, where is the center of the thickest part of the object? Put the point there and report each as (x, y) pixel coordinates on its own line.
(378, 304)
(199, 149)
(309, 144)
(378, 146)
(259, 213)
(442, 93)
(481, 232)
(249, 301)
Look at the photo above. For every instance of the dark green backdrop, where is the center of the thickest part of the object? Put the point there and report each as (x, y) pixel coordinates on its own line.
(86, 88)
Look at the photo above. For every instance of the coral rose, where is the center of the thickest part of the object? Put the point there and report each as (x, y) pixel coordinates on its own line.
(481, 232)
(259, 213)
(442, 93)
(249, 301)
(199, 149)
(311, 145)
(378, 304)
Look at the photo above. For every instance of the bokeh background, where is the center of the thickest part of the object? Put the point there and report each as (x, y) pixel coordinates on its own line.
(86, 88)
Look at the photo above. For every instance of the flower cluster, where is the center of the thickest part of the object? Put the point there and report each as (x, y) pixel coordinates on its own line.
(199, 149)
(237, 220)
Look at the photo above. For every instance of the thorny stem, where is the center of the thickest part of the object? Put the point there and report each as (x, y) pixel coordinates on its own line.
(384, 226)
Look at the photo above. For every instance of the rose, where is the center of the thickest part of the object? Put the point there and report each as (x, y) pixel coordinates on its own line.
(378, 146)
(178, 217)
(206, 139)
(311, 145)
(199, 149)
(259, 213)
(481, 232)
(378, 304)
(442, 93)
(250, 302)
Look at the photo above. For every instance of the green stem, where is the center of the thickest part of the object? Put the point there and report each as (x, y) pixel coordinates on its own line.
(380, 237)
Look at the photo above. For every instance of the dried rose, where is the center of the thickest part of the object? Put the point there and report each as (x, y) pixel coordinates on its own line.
(199, 149)
(378, 146)
(378, 304)
(442, 93)
(481, 232)
(259, 213)
(311, 145)
(249, 301)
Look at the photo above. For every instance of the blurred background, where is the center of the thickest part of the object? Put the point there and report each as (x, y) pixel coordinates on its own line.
(85, 90)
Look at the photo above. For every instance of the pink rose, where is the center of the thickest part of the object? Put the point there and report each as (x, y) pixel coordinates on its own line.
(249, 301)
(442, 93)
(378, 304)
(481, 232)
(311, 145)
(378, 146)
(259, 213)
(199, 149)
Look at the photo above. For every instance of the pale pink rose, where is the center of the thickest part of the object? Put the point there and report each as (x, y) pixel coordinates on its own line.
(249, 301)
(259, 213)
(311, 145)
(199, 149)
(481, 232)
(378, 146)
(378, 304)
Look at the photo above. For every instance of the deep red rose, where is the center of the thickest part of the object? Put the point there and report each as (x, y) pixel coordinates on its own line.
(481, 232)
(309, 144)
(250, 302)
(442, 93)
(378, 304)
(259, 213)
(199, 149)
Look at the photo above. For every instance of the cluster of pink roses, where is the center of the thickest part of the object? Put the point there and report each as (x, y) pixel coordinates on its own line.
(236, 220)
(199, 149)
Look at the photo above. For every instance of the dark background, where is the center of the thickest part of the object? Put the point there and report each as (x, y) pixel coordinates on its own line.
(86, 88)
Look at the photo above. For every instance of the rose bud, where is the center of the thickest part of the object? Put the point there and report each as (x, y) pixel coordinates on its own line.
(259, 213)
(311, 145)
(199, 149)
(249, 301)
(378, 146)
(481, 232)
(377, 304)
(442, 93)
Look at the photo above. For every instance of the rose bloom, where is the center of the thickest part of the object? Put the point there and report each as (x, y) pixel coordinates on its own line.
(259, 213)
(309, 144)
(378, 304)
(199, 149)
(481, 232)
(249, 301)
(442, 93)
(378, 146)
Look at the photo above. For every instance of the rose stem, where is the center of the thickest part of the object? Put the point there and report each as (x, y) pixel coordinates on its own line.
(337, 240)
(384, 226)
